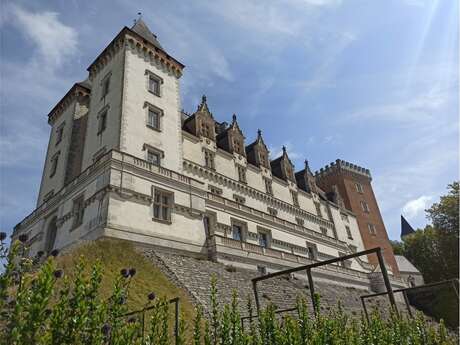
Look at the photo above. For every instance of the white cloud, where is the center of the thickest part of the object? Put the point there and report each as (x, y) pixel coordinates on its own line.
(412, 208)
(54, 40)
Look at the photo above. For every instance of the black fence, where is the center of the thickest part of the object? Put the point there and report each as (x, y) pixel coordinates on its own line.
(311, 287)
(439, 300)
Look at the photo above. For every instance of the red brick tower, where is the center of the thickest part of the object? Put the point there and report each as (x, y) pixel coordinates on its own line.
(354, 185)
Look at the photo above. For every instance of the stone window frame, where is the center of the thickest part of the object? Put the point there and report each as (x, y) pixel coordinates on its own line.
(209, 159)
(157, 79)
(59, 133)
(243, 228)
(364, 206)
(268, 185)
(359, 187)
(78, 210)
(154, 151)
(105, 85)
(372, 229)
(150, 108)
(162, 206)
(102, 116)
(241, 171)
(349, 234)
(54, 163)
(268, 235)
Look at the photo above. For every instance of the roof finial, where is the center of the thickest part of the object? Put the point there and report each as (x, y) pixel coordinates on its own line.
(284, 149)
(306, 164)
(234, 118)
(259, 133)
(203, 99)
(139, 16)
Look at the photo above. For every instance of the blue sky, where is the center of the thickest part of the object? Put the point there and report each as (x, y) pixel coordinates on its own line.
(371, 82)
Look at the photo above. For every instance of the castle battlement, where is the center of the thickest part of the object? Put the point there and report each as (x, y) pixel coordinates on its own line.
(340, 164)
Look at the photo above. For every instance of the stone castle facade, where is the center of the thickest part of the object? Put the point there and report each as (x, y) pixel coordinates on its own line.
(124, 161)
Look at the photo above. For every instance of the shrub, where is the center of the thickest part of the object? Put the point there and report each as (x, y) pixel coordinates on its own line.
(35, 309)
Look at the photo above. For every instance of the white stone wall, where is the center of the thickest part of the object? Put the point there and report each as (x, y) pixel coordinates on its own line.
(134, 131)
(56, 182)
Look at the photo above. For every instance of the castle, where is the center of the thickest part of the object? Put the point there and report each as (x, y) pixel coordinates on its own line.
(123, 161)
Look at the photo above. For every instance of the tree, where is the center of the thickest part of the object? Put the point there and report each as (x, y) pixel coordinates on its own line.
(434, 249)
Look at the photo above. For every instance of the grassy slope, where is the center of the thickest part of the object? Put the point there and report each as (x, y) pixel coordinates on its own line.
(115, 255)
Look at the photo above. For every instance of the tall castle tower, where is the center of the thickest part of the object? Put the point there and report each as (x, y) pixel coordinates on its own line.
(354, 186)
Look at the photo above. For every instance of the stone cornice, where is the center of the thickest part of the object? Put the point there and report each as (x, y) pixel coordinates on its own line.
(75, 91)
(241, 187)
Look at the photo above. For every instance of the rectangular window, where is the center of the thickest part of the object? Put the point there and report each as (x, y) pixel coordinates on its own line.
(241, 173)
(78, 211)
(268, 186)
(105, 86)
(295, 198)
(262, 270)
(300, 221)
(312, 251)
(365, 206)
(59, 133)
(215, 190)
(263, 239)
(162, 204)
(209, 159)
(54, 164)
(102, 122)
(153, 157)
(318, 209)
(347, 228)
(237, 232)
(239, 199)
(359, 187)
(371, 228)
(153, 118)
(272, 211)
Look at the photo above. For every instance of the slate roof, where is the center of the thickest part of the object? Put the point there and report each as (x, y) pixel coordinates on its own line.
(405, 265)
(143, 30)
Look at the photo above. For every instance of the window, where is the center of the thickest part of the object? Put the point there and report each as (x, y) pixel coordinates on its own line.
(154, 82)
(105, 86)
(237, 232)
(263, 159)
(365, 206)
(262, 270)
(59, 133)
(153, 157)
(162, 203)
(312, 251)
(205, 130)
(54, 164)
(347, 228)
(215, 190)
(241, 173)
(318, 209)
(209, 159)
(272, 211)
(323, 230)
(239, 199)
(295, 198)
(268, 186)
(371, 228)
(102, 122)
(344, 217)
(263, 239)
(300, 221)
(78, 211)
(153, 118)
(359, 187)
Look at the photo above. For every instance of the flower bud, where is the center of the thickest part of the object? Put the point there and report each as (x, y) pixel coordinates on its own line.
(124, 272)
(58, 274)
(132, 272)
(151, 296)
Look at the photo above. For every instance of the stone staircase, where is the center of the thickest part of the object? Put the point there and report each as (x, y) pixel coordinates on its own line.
(194, 276)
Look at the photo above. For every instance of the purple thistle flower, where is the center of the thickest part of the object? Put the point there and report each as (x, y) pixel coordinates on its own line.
(124, 272)
(58, 274)
(132, 272)
(151, 296)
(54, 252)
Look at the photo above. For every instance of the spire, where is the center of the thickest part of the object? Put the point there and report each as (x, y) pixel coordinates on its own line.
(284, 150)
(259, 134)
(143, 30)
(203, 106)
(406, 228)
(307, 167)
(234, 119)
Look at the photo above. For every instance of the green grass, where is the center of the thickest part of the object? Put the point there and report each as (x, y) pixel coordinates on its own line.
(115, 255)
